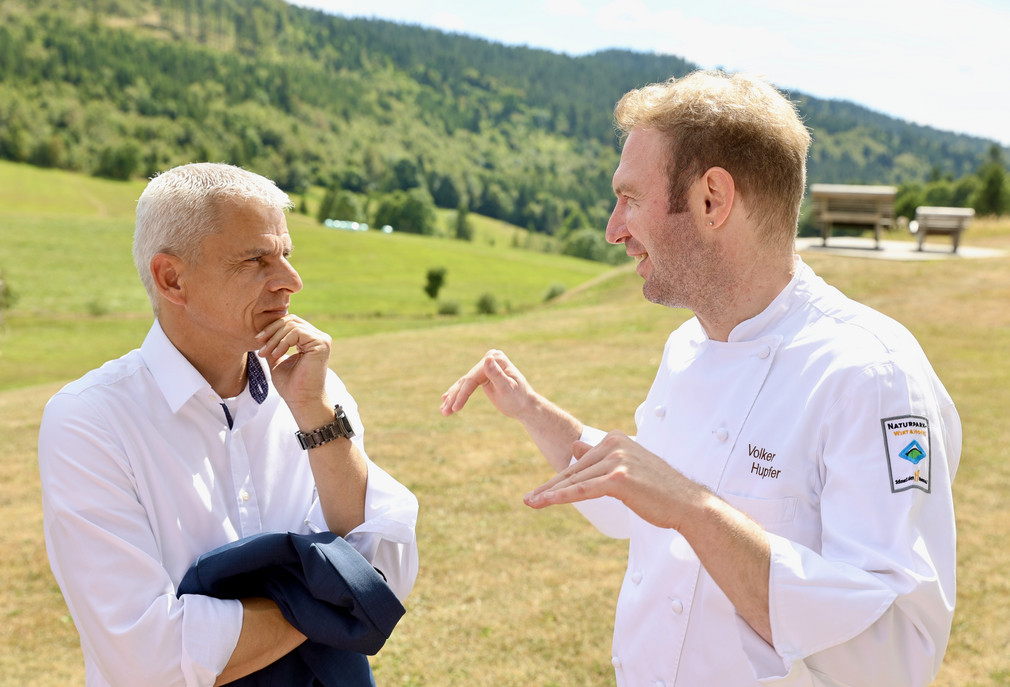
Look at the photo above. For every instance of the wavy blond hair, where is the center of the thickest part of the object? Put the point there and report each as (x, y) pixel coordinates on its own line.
(737, 122)
(182, 206)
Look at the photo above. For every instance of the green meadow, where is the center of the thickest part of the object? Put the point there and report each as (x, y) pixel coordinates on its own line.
(506, 595)
(65, 243)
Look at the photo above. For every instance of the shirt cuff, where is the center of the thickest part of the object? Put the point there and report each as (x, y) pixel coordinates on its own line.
(607, 514)
(591, 436)
(210, 631)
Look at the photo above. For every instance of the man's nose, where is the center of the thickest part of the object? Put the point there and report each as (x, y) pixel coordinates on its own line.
(617, 231)
(287, 278)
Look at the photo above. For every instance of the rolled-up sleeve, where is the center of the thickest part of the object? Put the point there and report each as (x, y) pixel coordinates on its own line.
(387, 538)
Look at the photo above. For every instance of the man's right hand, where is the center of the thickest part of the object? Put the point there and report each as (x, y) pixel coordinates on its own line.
(503, 384)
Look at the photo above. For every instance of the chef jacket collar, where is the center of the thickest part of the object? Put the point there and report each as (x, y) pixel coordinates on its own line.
(788, 300)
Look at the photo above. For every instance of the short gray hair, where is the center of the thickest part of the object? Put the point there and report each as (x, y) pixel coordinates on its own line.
(182, 206)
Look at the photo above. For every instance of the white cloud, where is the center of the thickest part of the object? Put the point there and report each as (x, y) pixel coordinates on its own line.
(627, 16)
(565, 8)
(447, 21)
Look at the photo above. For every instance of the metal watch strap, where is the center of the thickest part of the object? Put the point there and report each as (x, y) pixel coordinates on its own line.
(340, 427)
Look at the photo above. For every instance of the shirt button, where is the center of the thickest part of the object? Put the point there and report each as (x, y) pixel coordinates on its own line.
(636, 577)
(616, 662)
(244, 495)
(678, 606)
(765, 352)
(722, 434)
(660, 411)
(658, 683)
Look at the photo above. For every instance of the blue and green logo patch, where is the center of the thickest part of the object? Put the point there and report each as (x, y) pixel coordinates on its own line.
(913, 453)
(906, 444)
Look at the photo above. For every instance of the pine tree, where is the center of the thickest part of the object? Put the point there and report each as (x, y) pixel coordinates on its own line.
(993, 198)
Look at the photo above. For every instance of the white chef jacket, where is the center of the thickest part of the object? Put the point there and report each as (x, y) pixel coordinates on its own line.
(141, 474)
(822, 420)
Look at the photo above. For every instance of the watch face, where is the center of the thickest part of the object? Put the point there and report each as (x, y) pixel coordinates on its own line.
(344, 425)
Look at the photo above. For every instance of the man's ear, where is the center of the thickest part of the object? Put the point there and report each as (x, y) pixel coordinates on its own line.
(719, 194)
(167, 271)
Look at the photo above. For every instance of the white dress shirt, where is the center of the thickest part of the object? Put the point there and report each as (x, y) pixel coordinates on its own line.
(822, 420)
(141, 474)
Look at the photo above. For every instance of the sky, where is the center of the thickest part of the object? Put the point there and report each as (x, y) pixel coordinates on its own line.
(940, 63)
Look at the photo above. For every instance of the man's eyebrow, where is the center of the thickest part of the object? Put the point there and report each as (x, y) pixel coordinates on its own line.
(622, 188)
(253, 253)
(261, 251)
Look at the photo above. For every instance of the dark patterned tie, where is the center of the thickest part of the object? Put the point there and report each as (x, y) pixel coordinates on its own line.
(258, 385)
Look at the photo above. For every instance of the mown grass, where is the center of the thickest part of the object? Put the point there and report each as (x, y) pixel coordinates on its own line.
(512, 597)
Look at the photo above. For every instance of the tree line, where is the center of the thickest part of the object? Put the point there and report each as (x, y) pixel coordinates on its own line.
(395, 114)
(987, 190)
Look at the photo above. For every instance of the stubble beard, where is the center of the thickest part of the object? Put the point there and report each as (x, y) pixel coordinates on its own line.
(692, 273)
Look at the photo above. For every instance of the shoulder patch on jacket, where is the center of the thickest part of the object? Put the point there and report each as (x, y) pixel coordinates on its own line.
(906, 442)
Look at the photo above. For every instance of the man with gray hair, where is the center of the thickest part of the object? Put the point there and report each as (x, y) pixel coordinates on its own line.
(226, 423)
(787, 496)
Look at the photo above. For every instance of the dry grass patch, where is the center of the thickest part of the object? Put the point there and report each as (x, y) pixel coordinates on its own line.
(38, 640)
(512, 597)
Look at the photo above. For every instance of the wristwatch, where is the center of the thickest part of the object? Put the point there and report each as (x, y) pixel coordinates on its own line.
(340, 427)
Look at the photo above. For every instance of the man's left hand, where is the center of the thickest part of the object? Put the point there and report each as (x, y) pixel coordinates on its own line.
(619, 467)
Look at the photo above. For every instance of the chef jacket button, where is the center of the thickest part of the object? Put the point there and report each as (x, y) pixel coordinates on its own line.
(660, 411)
(244, 495)
(636, 577)
(722, 434)
(678, 606)
(765, 352)
(616, 662)
(658, 683)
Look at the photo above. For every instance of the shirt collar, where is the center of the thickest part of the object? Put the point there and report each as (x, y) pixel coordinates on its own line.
(789, 299)
(178, 380)
(175, 376)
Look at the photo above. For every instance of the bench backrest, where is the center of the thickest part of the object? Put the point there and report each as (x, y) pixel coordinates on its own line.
(849, 203)
(939, 218)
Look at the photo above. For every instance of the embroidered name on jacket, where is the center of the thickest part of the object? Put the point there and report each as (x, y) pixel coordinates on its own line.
(906, 442)
(759, 469)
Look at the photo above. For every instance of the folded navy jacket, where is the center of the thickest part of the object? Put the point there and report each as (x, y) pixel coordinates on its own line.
(324, 588)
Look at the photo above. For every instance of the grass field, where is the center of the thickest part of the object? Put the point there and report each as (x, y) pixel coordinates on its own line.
(508, 596)
(65, 243)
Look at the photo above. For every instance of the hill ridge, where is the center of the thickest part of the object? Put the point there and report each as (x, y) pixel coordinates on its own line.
(125, 90)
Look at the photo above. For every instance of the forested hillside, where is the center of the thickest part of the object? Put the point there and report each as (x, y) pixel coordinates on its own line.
(125, 88)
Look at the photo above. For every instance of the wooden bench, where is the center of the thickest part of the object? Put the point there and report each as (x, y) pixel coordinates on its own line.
(852, 207)
(937, 220)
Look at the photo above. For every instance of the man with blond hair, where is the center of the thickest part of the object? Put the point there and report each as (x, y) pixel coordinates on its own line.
(225, 425)
(788, 493)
